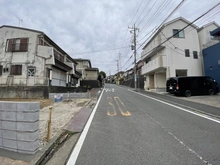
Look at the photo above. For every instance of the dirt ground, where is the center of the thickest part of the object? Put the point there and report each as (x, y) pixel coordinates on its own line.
(62, 112)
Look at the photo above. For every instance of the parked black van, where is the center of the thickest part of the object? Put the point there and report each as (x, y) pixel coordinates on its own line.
(192, 85)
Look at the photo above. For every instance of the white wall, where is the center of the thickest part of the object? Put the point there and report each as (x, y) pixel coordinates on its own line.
(160, 80)
(204, 35)
(175, 50)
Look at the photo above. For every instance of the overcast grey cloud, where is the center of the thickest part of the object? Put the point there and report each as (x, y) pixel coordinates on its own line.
(98, 29)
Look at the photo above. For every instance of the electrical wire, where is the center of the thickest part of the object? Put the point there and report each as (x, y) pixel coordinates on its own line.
(181, 30)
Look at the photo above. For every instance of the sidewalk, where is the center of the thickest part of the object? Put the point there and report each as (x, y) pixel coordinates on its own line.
(213, 100)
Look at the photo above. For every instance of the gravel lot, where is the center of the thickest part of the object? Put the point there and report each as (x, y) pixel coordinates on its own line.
(62, 112)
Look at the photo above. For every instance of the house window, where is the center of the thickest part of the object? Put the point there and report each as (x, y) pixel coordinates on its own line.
(41, 41)
(195, 54)
(187, 53)
(31, 71)
(17, 45)
(1, 68)
(178, 33)
(5, 70)
(58, 56)
(16, 70)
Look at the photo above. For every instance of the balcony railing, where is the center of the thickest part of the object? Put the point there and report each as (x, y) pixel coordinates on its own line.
(157, 63)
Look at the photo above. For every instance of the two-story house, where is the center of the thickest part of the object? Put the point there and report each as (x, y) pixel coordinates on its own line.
(172, 51)
(30, 58)
(84, 66)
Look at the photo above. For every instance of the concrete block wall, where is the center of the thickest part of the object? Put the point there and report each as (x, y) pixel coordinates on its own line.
(19, 126)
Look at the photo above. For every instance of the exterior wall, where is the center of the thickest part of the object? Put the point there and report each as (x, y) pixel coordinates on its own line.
(91, 75)
(160, 80)
(205, 37)
(81, 65)
(212, 65)
(19, 129)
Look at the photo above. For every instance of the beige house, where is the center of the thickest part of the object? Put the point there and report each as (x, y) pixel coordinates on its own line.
(84, 67)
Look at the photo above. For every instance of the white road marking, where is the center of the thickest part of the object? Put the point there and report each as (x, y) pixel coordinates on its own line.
(175, 137)
(109, 89)
(75, 153)
(183, 109)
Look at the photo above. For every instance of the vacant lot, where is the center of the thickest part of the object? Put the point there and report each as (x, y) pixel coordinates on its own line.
(62, 112)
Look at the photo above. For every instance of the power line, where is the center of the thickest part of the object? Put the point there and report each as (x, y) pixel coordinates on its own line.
(147, 12)
(137, 11)
(156, 14)
(96, 51)
(177, 7)
(131, 22)
(181, 30)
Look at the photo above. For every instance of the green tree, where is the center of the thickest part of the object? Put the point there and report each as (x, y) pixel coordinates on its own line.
(102, 73)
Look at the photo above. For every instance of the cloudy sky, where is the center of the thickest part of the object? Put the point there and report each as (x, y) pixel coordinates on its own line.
(98, 29)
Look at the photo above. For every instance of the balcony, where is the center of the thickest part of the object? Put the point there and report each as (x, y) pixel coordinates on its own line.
(155, 64)
(148, 54)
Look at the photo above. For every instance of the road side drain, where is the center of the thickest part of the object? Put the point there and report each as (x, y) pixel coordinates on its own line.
(54, 147)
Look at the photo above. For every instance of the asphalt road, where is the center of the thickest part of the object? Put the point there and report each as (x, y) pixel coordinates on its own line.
(133, 128)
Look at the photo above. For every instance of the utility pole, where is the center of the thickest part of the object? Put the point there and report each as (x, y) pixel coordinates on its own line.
(117, 70)
(133, 47)
(119, 58)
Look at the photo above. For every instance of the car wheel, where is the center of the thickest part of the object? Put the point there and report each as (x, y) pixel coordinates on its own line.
(188, 93)
(211, 92)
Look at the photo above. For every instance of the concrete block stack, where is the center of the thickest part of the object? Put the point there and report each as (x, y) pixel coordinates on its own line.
(19, 126)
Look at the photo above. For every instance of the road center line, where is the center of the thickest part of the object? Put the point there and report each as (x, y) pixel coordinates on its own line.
(75, 153)
(183, 109)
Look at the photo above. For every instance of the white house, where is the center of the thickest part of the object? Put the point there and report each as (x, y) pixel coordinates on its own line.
(30, 58)
(166, 57)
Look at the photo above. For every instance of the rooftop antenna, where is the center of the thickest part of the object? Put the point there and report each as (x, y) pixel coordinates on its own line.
(19, 20)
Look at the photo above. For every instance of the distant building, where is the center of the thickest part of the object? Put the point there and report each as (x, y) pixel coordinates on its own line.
(85, 68)
(89, 75)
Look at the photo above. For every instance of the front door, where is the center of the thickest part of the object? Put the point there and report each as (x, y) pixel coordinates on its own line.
(31, 76)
